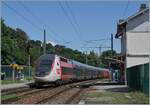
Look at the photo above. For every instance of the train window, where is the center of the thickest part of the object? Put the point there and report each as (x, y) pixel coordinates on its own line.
(45, 62)
(67, 70)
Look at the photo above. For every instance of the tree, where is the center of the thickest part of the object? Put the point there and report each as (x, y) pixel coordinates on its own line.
(49, 48)
(7, 50)
(12, 44)
(107, 54)
(93, 59)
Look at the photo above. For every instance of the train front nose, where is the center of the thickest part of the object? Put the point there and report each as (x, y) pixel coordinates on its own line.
(42, 75)
(43, 68)
(41, 79)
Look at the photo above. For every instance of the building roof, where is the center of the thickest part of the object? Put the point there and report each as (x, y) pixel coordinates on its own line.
(122, 23)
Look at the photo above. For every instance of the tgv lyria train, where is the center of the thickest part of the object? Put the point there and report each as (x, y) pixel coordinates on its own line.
(53, 68)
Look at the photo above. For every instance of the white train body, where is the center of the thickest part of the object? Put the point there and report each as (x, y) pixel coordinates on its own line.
(52, 68)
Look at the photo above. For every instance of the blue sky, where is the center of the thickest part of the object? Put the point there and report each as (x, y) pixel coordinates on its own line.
(91, 20)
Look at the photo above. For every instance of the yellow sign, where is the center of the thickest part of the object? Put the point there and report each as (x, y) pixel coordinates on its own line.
(16, 67)
(19, 67)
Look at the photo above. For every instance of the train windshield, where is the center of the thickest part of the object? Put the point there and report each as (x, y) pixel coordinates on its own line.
(44, 65)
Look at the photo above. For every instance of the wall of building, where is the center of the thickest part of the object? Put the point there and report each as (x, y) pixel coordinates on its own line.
(123, 42)
(137, 40)
(138, 48)
(138, 43)
(133, 61)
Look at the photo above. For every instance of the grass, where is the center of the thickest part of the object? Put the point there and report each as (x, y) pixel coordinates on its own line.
(10, 81)
(16, 81)
(9, 96)
(28, 78)
(139, 97)
(117, 98)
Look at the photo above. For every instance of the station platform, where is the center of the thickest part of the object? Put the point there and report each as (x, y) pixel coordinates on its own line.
(15, 85)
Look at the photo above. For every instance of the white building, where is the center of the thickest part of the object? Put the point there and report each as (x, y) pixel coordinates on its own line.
(134, 33)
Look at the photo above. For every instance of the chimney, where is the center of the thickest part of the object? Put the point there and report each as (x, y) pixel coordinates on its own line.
(142, 7)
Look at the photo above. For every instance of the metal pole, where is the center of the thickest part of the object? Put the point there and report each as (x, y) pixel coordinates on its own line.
(112, 42)
(13, 74)
(44, 43)
(29, 68)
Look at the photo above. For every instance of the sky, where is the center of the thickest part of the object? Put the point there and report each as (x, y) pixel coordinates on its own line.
(70, 23)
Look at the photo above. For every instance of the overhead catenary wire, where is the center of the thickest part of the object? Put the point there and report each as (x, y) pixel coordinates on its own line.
(91, 42)
(98, 39)
(74, 19)
(23, 17)
(97, 47)
(26, 19)
(41, 22)
(69, 19)
(31, 13)
(100, 48)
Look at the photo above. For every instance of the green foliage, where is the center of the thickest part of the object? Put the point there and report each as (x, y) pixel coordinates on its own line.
(12, 42)
(9, 96)
(7, 50)
(107, 54)
(93, 59)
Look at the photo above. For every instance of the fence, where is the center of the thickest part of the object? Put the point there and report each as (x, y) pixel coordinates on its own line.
(8, 71)
(138, 78)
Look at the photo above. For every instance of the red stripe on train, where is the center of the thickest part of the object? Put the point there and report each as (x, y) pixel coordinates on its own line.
(66, 76)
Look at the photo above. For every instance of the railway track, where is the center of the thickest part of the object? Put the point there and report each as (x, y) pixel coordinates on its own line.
(51, 96)
(61, 94)
(63, 97)
(11, 91)
(18, 93)
(68, 96)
